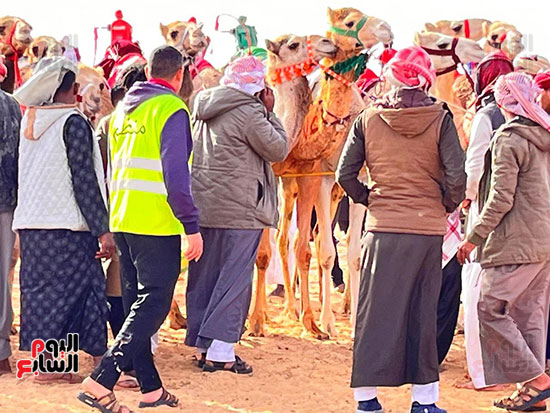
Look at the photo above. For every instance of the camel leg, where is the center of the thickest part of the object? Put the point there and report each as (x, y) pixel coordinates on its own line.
(308, 190)
(356, 217)
(327, 251)
(290, 192)
(175, 317)
(258, 316)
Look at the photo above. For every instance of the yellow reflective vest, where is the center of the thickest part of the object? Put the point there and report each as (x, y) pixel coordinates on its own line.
(138, 196)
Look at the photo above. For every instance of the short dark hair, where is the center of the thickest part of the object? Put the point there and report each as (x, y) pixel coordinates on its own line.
(132, 74)
(67, 83)
(165, 61)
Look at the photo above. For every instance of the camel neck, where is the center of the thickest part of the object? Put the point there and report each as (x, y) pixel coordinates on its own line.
(292, 105)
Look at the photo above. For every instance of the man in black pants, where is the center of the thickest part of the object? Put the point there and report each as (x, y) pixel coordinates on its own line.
(151, 206)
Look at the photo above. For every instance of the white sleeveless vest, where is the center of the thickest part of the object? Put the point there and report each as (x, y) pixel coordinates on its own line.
(45, 196)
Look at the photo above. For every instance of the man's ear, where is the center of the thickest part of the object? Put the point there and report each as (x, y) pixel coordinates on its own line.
(76, 88)
(147, 74)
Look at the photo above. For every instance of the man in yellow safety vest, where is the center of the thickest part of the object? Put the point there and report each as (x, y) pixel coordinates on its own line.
(151, 206)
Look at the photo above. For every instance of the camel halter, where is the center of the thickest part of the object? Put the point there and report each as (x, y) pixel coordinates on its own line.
(349, 32)
(467, 29)
(297, 70)
(15, 56)
(456, 59)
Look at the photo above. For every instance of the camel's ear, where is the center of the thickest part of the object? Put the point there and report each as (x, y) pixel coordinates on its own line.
(485, 26)
(417, 40)
(164, 30)
(430, 27)
(331, 14)
(273, 47)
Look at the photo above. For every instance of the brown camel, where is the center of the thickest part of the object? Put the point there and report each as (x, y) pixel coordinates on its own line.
(503, 36)
(15, 37)
(42, 46)
(290, 59)
(322, 134)
(469, 28)
(466, 51)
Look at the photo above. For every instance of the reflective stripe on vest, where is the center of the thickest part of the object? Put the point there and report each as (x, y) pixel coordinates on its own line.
(138, 195)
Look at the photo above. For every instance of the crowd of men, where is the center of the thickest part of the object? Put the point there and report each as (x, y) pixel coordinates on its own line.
(129, 191)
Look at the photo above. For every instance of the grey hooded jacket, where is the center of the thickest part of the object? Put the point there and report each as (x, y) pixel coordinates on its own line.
(235, 140)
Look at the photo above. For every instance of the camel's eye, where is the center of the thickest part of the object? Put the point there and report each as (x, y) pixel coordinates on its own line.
(494, 36)
(101, 86)
(350, 24)
(174, 34)
(293, 46)
(2, 30)
(443, 46)
(458, 28)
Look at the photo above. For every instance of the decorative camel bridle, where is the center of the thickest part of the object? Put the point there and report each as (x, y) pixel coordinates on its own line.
(15, 56)
(456, 59)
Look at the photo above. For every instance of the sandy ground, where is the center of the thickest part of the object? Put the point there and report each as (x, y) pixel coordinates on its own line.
(292, 374)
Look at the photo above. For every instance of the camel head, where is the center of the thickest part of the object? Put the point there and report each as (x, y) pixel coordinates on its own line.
(531, 63)
(467, 50)
(290, 49)
(187, 37)
(21, 31)
(503, 36)
(94, 91)
(43, 46)
(352, 30)
(459, 28)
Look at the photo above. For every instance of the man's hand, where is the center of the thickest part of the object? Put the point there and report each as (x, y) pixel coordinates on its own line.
(268, 98)
(464, 250)
(108, 246)
(194, 247)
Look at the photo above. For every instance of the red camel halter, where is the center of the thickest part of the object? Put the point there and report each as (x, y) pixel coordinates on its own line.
(291, 72)
(15, 56)
(467, 29)
(456, 59)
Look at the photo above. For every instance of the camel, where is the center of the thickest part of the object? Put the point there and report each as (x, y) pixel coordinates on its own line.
(321, 136)
(503, 36)
(290, 59)
(454, 50)
(469, 28)
(40, 47)
(15, 38)
(187, 37)
(531, 63)
(96, 98)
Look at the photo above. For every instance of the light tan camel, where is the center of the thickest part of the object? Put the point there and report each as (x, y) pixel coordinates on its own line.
(531, 63)
(466, 51)
(322, 134)
(290, 59)
(503, 36)
(469, 28)
(187, 37)
(96, 98)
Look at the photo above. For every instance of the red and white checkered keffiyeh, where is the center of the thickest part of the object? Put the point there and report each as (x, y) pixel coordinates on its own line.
(245, 73)
(452, 238)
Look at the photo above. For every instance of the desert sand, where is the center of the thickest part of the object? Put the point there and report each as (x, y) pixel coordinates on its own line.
(292, 374)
